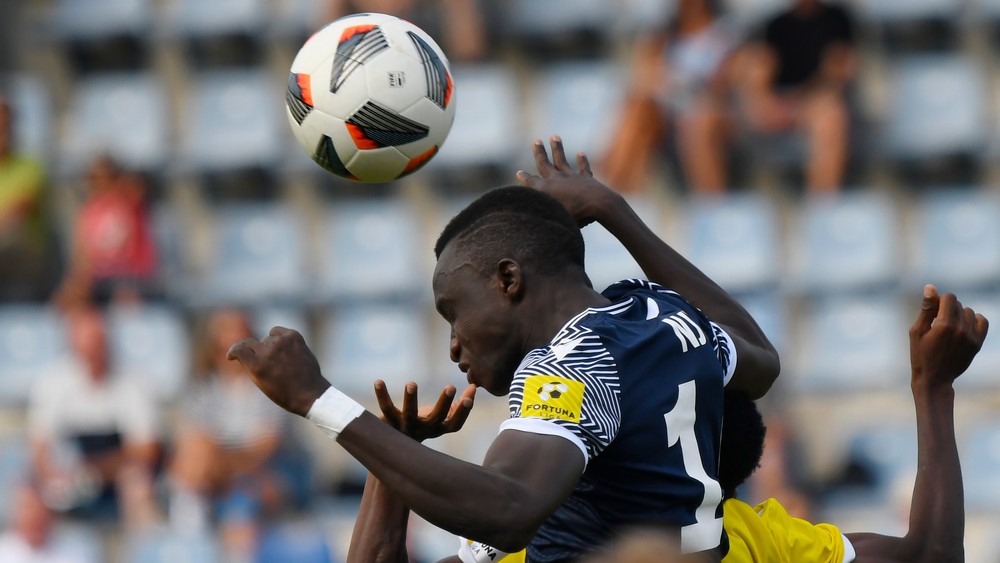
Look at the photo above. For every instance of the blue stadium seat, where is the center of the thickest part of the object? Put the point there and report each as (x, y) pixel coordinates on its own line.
(904, 11)
(770, 311)
(845, 243)
(980, 453)
(233, 121)
(258, 255)
(297, 19)
(169, 228)
(99, 19)
(15, 468)
(937, 108)
(31, 103)
(607, 261)
(78, 542)
(196, 18)
(956, 239)
(486, 127)
(300, 542)
(373, 249)
(852, 344)
(126, 115)
(889, 451)
(735, 241)
(267, 317)
(579, 101)
(167, 546)
(32, 340)
(365, 342)
(983, 373)
(151, 343)
(554, 17)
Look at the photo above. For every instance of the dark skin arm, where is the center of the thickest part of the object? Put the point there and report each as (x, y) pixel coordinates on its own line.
(380, 529)
(588, 200)
(524, 478)
(943, 341)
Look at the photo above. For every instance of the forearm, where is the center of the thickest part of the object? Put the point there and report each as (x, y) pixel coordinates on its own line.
(380, 529)
(462, 498)
(759, 366)
(937, 513)
(937, 510)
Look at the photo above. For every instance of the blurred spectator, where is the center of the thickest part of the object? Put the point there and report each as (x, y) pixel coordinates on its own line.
(25, 261)
(114, 253)
(457, 25)
(680, 78)
(29, 539)
(796, 77)
(93, 432)
(228, 449)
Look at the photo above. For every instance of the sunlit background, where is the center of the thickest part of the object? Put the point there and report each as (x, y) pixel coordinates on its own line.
(186, 96)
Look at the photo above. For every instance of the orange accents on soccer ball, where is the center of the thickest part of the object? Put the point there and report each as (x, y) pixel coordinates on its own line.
(304, 86)
(420, 160)
(356, 30)
(448, 89)
(360, 139)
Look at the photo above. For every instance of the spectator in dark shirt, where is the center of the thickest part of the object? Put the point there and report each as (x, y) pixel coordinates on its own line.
(795, 78)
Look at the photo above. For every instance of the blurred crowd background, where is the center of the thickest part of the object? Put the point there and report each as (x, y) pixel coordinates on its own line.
(820, 161)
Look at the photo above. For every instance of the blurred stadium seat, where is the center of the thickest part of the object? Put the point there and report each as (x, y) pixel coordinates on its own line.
(770, 311)
(956, 239)
(560, 26)
(751, 13)
(924, 120)
(299, 542)
(125, 115)
(258, 255)
(485, 131)
(845, 243)
(31, 102)
(297, 19)
(579, 101)
(852, 344)
(220, 32)
(980, 453)
(104, 34)
(267, 317)
(607, 261)
(151, 343)
(32, 341)
(735, 240)
(365, 342)
(15, 464)
(913, 24)
(888, 452)
(373, 249)
(167, 546)
(232, 121)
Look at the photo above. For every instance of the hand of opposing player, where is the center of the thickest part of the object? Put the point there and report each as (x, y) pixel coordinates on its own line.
(944, 339)
(283, 367)
(445, 417)
(577, 190)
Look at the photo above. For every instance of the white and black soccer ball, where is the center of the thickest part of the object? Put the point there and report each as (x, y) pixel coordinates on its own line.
(552, 391)
(370, 97)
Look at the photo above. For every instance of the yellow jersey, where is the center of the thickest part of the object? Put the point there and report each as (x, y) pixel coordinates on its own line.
(768, 534)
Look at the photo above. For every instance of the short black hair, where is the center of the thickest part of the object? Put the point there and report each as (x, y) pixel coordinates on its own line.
(742, 446)
(519, 223)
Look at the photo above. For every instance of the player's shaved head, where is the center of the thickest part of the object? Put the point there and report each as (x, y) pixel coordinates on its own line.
(519, 223)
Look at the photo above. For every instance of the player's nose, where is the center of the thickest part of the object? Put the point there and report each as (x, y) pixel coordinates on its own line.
(454, 348)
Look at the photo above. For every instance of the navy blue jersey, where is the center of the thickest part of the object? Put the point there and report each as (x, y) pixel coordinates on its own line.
(637, 385)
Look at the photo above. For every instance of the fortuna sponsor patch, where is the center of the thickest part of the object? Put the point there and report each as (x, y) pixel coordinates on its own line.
(548, 396)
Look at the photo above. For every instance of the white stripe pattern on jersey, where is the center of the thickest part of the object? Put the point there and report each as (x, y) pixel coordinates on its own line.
(588, 362)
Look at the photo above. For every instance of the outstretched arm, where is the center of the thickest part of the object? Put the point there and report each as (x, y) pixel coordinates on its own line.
(589, 200)
(943, 341)
(380, 529)
(503, 502)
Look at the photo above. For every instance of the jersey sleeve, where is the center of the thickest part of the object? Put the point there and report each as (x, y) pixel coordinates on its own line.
(571, 390)
(726, 351)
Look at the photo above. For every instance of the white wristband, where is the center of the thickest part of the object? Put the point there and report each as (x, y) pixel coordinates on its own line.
(332, 411)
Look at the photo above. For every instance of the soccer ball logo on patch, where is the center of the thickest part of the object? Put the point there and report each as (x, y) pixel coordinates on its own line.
(552, 391)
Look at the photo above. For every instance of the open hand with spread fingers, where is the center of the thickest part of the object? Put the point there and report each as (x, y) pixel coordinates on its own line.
(577, 190)
(424, 423)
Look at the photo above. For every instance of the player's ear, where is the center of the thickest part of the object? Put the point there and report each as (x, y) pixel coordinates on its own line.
(510, 279)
